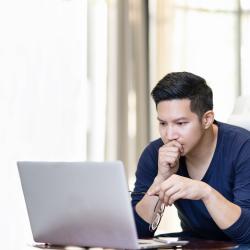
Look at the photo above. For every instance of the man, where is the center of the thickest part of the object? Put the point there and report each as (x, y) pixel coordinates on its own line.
(200, 165)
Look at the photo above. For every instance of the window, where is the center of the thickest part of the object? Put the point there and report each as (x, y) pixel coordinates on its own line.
(208, 38)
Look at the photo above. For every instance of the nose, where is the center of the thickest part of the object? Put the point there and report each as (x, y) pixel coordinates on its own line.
(171, 133)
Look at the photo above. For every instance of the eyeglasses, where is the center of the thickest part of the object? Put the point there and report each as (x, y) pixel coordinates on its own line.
(136, 193)
(158, 212)
(156, 218)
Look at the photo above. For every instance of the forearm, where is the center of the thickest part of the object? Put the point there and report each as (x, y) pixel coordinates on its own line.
(145, 207)
(223, 212)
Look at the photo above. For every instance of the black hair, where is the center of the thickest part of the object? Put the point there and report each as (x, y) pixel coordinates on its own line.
(185, 85)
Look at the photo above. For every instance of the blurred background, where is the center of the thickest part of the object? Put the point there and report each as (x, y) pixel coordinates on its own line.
(76, 77)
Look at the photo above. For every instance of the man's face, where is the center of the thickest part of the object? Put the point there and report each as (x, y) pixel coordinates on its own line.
(178, 122)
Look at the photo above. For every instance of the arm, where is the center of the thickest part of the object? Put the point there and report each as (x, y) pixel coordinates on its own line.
(232, 217)
(240, 230)
(145, 174)
(237, 212)
(152, 170)
(146, 205)
(223, 212)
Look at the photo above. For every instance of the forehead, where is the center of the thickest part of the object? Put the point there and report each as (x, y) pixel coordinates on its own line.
(175, 109)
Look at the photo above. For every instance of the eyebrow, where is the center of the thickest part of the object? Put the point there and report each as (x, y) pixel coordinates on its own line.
(175, 120)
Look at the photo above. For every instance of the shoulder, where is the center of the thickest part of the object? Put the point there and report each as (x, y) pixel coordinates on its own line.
(153, 146)
(232, 133)
(234, 141)
(150, 152)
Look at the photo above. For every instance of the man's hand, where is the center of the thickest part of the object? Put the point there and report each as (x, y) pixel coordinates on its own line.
(178, 187)
(168, 159)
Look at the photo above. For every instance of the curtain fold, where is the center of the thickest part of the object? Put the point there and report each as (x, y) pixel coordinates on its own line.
(127, 93)
(200, 37)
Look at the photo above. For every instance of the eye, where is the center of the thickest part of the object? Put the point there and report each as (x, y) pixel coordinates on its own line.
(181, 123)
(163, 124)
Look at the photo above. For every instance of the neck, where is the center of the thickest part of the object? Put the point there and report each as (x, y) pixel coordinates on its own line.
(203, 152)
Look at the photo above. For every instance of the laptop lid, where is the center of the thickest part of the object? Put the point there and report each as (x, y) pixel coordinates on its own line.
(78, 203)
(82, 204)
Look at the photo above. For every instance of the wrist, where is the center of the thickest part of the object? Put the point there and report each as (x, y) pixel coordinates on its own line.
(162, 177)
(208, 190)
(157, 182)
(159, 179)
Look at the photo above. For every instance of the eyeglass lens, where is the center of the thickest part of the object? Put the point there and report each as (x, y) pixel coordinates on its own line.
(158, 212)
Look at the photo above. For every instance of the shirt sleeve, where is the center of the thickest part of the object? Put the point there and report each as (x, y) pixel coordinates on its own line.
(145, 174)
(240, 230)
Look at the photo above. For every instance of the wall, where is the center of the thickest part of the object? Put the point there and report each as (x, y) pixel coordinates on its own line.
(41, 96)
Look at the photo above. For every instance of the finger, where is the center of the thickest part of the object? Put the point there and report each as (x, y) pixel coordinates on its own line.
(169, 192)
(174, 155)
(172, 161)
(176, 196)
(161, 195)
(169, 148)
(164, 187)
(174, 143)
(165, 199)
(170, 154)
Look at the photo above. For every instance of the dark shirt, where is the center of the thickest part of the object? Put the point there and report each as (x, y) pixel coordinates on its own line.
(228, 173)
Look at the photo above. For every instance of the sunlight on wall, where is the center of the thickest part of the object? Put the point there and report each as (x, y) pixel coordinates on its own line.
(42, 97)
(97, 79)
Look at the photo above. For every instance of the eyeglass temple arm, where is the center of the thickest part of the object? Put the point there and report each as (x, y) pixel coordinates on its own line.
(136, 193)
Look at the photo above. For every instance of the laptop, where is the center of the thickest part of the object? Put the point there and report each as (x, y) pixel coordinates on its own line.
(81, 204)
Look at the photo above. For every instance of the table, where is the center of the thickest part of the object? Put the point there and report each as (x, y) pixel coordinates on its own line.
(193, 244)
(211, 244)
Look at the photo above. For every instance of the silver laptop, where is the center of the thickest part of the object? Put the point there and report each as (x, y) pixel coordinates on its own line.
(81, 204)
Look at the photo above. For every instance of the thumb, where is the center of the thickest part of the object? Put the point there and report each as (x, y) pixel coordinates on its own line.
(154, 191)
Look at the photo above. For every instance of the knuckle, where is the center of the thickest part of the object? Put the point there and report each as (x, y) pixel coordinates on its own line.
(171, 160)
(173, 177)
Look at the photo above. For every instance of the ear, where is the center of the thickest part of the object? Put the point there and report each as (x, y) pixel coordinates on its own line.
(208, 119)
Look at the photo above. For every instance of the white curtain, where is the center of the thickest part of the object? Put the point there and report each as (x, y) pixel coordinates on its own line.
(42, 97)
(71, 89)
(127, 84)
(208, 38)
(97, 79)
